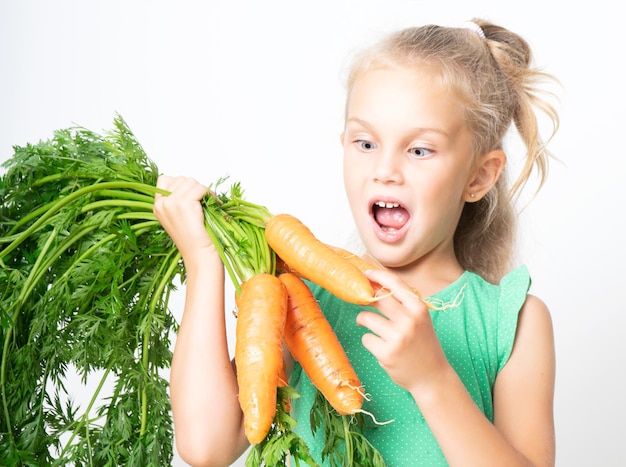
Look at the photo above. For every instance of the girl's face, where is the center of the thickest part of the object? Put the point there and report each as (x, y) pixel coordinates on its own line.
(407, 164)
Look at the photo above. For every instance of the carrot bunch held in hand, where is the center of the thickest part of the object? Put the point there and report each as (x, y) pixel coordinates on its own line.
(272, 306)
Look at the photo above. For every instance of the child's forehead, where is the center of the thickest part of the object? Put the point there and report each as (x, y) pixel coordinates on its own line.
(401, 100)
(413, 75)
(379, 85)
(404, 83)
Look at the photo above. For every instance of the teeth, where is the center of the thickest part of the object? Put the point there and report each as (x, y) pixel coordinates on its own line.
(382, 204)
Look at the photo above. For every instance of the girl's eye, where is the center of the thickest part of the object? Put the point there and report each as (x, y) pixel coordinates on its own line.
(420, 153)
(365, 145)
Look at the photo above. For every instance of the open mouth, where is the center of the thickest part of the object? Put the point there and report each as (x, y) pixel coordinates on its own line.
(389, 216)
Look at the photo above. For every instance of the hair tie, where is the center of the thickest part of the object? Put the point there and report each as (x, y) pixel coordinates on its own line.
(475, 28)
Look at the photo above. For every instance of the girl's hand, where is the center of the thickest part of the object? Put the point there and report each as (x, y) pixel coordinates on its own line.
(403, 339)
(180, 214)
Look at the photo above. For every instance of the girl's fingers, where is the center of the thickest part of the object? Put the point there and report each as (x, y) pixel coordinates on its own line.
(186, 188)
(180, 212)
(182, 190)
(163, 183)
(180, 185)
(379, 331)
(372, 321)
(373, 343)
(404, 295)
(400, 297)
(401, 313)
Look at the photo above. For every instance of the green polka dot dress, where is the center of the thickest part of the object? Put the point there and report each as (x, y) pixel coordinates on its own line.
(476, 333)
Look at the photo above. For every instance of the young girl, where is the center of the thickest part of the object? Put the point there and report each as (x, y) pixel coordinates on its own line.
(470, 382)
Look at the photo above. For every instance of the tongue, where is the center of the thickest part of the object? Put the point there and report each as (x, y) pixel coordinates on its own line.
(391, 218)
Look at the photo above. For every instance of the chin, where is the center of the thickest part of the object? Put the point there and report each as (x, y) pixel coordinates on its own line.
(384, 255)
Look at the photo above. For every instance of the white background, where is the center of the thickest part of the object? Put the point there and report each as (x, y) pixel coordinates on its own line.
(254, 90)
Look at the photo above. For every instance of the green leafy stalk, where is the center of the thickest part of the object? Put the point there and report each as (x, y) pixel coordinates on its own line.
(44, 219)
(168, 270)
(281, 442)
(345, 445)
(236, 228)
(85, 421)
(9, 334)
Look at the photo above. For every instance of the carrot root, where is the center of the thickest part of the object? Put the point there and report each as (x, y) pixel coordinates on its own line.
(314, 344)
(371, 415)
(262, 309)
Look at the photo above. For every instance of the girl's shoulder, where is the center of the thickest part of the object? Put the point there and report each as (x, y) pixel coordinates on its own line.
(487, 313)
(472, 289)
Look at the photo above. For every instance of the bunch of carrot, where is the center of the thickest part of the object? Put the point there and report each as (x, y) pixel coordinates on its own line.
(310, 338)
(111, 179)
(275, 305)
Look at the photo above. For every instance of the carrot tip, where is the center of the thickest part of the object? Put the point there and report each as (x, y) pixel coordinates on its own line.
(429, 302)
(377, 296)
(443, 306)
(371, 415)
(358, 389)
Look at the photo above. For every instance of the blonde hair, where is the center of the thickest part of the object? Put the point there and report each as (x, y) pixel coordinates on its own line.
(493, 78)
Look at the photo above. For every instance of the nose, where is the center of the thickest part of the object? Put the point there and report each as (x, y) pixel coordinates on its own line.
(388, 167)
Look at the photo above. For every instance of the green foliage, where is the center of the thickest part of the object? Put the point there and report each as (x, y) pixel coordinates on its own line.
(237, 228)
(86, 272)
(344, 442)
(281, 442)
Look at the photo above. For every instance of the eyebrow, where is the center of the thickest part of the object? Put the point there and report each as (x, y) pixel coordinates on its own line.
(414, 129)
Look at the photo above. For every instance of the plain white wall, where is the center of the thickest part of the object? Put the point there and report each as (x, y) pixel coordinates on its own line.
(253, 90)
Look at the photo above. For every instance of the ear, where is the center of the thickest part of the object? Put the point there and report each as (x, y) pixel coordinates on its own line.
(485, 175)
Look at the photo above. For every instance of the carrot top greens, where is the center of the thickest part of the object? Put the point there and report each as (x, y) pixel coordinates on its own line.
(236, 227)
(86, 274)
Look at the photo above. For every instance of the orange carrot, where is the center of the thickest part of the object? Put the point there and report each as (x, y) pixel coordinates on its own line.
(261, 314)
(355, 259)
(360, 263)
(296, 245)
(364, 265)
(313, 343)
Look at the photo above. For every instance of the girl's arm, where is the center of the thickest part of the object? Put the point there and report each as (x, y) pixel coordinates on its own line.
(523, 429)
(524, 389)
(406, 345)
(208, 422)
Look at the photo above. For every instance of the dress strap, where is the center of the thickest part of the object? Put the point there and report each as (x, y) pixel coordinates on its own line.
(514, 288)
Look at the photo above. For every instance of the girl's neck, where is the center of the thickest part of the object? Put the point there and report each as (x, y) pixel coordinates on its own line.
(429, 282)
(428, 276)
